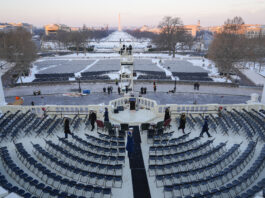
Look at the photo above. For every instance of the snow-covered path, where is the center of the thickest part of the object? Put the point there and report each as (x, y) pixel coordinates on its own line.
(87, 67)
(168, 73)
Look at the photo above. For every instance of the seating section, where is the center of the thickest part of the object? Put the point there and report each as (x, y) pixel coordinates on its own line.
(190, 76)
(37, 161)
(190, 167)
(82, 167)
(152, 75)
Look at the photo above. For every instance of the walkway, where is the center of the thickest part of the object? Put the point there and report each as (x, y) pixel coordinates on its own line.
(98, 87)
(139, 178)
(160, 97)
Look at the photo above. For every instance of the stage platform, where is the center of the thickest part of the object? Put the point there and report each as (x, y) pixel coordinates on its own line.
(133, 117)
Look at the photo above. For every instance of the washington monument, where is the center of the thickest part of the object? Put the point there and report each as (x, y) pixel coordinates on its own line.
(119, 28)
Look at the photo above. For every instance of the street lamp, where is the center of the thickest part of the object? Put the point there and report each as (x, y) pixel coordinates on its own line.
(79, 82)
(175, 88)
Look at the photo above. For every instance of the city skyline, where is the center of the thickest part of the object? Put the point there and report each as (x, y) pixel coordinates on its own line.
(133, 13)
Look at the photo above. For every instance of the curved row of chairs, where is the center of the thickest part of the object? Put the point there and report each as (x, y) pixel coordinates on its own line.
(91, 162)
(165, 140)
(236, 187)
(160, 153)
(101, 175)
(33, 188)
(104, 141)
(51, 178)
(198, 164)
(194, 160)
(200, 170)
(94, 145)
(215, 181)
(92, 151)
(167, 147)
(183, 155)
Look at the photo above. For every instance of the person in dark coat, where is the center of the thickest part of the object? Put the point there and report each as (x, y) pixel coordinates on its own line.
(130, 143)
(32, 103)
(106, 115)
(104, 89)
(67, 128)
(119, 90)
(182, 122)
(108, 90)
(167, 114)
(154, 88)
(92, 118)
(205, 128)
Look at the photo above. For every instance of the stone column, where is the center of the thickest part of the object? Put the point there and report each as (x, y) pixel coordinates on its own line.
(2, 96)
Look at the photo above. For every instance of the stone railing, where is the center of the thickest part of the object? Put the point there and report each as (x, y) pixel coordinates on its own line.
(59, 110)
(141, 103)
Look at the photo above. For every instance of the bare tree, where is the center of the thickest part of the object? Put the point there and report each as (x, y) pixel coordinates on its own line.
(16, 46)
(172, 32)
(228, 47)
(234, 26)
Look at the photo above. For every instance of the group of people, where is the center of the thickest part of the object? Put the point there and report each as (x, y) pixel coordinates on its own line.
(109, 89)
(205, 127)
(92, 119)
(126, 49)
(182, 122)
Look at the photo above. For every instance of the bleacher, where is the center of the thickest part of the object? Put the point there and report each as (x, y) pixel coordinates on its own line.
(192, 76)
(152, 75)
(54, 77)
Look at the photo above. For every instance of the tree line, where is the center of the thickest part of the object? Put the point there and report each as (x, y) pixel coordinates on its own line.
(232, 46)
(77, 40)
(16, 46)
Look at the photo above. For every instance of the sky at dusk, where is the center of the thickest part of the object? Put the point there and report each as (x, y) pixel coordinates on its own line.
(75, 13)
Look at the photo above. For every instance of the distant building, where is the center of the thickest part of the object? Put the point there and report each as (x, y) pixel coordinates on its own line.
(250, 30)
(11, 26)
(52, 29)
(253, 31)
(192, 29)
(75, 29)
(146, 28)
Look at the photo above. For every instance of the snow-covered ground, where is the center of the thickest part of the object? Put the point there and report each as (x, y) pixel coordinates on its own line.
(108, 44)
(253, 71)
(254, 76)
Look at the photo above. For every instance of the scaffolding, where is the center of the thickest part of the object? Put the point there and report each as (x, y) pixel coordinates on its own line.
(126, 71)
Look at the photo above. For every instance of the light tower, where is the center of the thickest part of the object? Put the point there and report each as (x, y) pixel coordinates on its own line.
(126, 72)
(119, 28)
